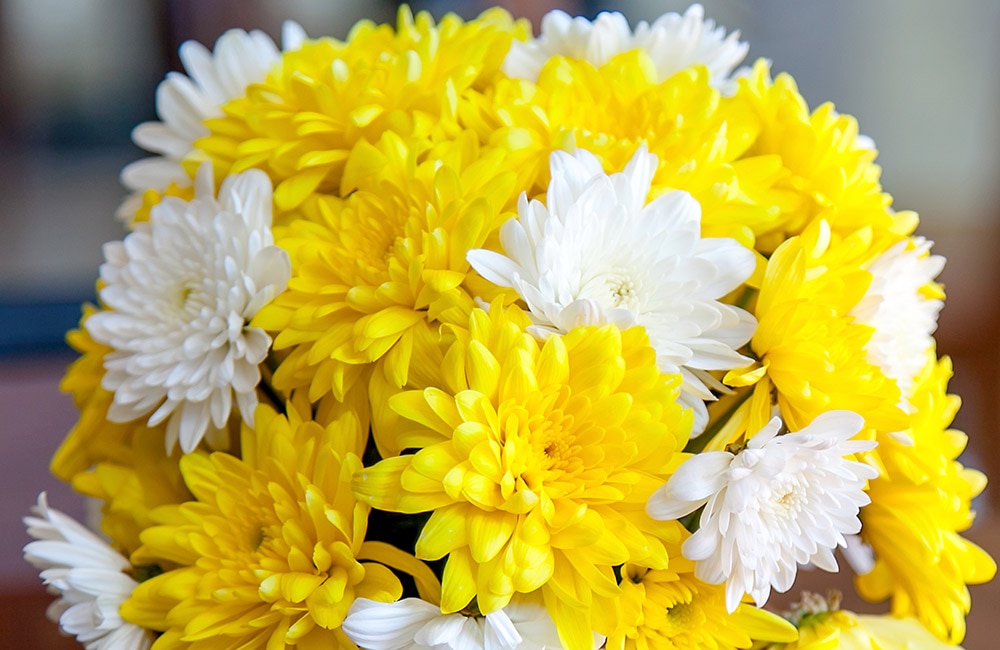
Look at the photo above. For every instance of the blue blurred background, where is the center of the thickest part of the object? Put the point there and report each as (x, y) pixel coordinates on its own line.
(76, 75)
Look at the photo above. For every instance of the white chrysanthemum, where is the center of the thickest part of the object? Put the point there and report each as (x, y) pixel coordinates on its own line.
(179, 292)
(183, 103)
(673, 42)
(414, 624)
(902, 312)
(88, 575)
(781, 502)
(598, 253)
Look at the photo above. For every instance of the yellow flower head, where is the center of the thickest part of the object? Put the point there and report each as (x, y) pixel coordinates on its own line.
(828, 170)
(610, 110)
(919, 506)
(93, 438)
(673, 610)
(269, 552)
(369, 269)
(812, 347)
(536, 461)
(132, 486)
(843, 630)
(322, 99)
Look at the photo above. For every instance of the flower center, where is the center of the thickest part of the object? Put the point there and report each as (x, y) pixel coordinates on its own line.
(551, 441)
(623, 293)
(371, 238)
(614, 288)
(184, 294)
(681, 616)
(786, 499)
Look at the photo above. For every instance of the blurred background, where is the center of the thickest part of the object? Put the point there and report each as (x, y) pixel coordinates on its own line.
(76, 75)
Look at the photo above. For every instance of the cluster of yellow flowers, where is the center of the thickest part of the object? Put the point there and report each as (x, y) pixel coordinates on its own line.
(508, 302)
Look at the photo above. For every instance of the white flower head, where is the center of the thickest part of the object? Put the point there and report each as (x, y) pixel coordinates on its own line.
(414, 624)
(184, 102)
(903, 315)
(179, 293)
(781, 502)
(673, 42)
(597, 253)
(88, 575)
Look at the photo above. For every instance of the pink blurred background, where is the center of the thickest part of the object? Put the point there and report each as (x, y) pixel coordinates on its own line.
(76, 75)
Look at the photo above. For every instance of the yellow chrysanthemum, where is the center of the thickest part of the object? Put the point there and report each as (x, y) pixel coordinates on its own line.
(812, 350)
(827, 170)
(919, 506)
(93, 438)
(269, 553)
(843, 630)
(131, 488)
(325, 97)
(612, 109)
(536, 461)
(670, 609)
(369, 270)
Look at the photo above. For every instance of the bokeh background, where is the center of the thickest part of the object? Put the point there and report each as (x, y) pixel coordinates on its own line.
(921, 76)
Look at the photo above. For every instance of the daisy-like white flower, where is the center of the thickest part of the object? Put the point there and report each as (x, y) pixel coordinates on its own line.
(183, 103)
(414, 624)
(673, 42)
(598, 254)
(90, 578)
(902, 305)
(179, 293)
(780, 502)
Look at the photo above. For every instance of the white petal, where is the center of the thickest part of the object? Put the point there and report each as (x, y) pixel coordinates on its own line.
(387, 626)
(156, 173)
(292, 36)
(88, 576)
(494, 267)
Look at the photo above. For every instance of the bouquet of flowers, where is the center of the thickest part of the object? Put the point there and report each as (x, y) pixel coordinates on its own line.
(449, 336)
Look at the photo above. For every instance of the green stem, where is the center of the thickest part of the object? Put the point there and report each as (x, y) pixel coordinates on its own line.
(696, 445)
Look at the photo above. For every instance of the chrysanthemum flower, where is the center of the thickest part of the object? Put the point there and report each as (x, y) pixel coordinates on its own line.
(610, 110)
(131, 485)
(91, 578)
(597, 253)
(92, 438)
(673, 43)
(184, 103)
(823, 626)
(902, 305)
(414, 624)
(269, 553)
(535, 461)
(814, 352)
(300, 124)
(920, 504)
(673, 610)
(827, 170)
(179, 293)
(780, 502)
(372, 269)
